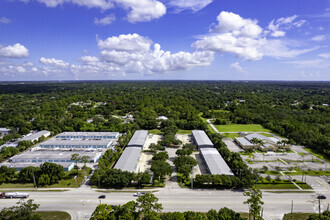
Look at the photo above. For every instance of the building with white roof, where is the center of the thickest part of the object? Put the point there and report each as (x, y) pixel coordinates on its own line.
(201, 139)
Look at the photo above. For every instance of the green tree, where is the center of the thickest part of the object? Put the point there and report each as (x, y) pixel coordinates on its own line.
(24, 211)
(148, 206)
(255, 203)
(161, 168)
(160, 156)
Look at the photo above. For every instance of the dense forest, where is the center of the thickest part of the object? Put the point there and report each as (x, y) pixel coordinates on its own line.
(297, 110)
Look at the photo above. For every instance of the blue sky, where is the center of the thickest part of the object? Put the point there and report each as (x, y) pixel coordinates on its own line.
(164, 39)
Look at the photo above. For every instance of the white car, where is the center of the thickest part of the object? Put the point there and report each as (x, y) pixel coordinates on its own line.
(138, 194)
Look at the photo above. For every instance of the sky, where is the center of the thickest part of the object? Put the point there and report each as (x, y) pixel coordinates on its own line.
(164, 40)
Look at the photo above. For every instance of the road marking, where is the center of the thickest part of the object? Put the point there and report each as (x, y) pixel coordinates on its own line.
(320, 183)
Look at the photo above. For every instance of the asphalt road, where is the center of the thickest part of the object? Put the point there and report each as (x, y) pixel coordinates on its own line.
(80, 203)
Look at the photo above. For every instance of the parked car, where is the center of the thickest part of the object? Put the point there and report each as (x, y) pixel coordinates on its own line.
(102, 197)
(138, 194)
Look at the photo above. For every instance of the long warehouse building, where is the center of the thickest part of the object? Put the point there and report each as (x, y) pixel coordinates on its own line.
(129, 159)
(81, 140)
(212, 158)
(214, 162)
(53, 156)
(138, 139)
(201, 139)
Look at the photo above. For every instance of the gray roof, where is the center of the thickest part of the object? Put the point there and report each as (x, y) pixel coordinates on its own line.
(34, 136)
(129, 159)
(77, 142)
(138, 139)
(23, 165)
(88, 134)
(214, 161)
(54, 154)
(201, 138)
(4, 129)
(243, 141)
(256, 135)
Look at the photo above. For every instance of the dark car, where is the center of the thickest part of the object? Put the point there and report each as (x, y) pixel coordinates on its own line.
(321, 197)
(102, 197)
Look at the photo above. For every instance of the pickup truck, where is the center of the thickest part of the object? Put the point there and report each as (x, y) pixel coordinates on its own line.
(10, 195)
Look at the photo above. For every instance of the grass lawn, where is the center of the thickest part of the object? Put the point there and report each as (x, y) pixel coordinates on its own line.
(288, 185)
(208, 126)
(317, 154)
(184, 131)
(244, 215)
(241, 127)
(296, 216)
(230, 135)
(16, 185)
(55, 215)
(155, 131)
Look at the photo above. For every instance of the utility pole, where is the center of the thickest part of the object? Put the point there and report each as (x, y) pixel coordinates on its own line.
(292, 210)
(192, 181)
(319, 208)
(34, 180)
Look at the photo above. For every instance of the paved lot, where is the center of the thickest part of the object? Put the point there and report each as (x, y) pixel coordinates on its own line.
(231, 145)
(152, 138)
(185, 138)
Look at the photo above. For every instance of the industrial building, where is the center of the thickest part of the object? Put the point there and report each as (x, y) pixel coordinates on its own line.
(4, 131)
(201, 139)
(54, 156)
(18, 166)
(244, 143)
(74, 143)
(138, 139)
(88, 135)
(129, 159)
(35, 136)
(269, 143)
(212, 158)
(214, 162)
(81, 140)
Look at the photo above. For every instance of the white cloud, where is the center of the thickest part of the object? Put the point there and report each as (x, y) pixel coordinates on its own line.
(106, 20)
(54, 62)
(135, 53)
(20, 69)
(129, 42)
(103, 4)
(246, 39)
(15, 51)
(277, 26)
(5, 20)
(138, 10)
(237, 67)
(313, 63)
(193, 5)
(142, 10)
(325, 55)
(319, 38)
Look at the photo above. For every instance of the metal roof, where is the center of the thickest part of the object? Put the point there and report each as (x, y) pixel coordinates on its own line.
(138, 139)
(54, 154)
(35, 135)
(23, 165)
(88, 134)
(214, 161)
(243, 141)
(77, 142)
(201, 138)
(4, 129)
(256, 135)
(129, 159)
